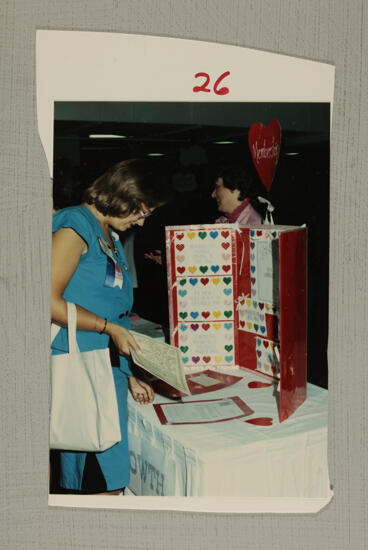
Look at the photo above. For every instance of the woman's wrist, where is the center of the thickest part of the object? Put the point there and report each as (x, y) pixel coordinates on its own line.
(102, 325)
(110, 328)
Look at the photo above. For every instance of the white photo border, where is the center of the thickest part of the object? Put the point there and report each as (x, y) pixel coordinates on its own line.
(91, 66)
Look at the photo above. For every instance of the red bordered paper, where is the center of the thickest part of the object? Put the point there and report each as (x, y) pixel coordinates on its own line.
(220, 379)
(196, 383)
(197, 408)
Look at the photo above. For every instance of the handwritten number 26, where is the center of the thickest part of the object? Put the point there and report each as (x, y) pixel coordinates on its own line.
(203, 88)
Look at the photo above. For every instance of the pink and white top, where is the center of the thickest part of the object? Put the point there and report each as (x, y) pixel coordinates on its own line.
(244, 214)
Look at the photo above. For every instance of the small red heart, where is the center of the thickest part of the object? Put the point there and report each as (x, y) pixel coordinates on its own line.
(262, 421)
(242, 323)
(265, 344)
(225, 234)
(259, 233)
(205, 326)
(180, 236)
(181, 269)
(225, 245)
(180, 247)
(205, 314)
(257, 384)
(226, 268)
(206, 359)
(204, 281)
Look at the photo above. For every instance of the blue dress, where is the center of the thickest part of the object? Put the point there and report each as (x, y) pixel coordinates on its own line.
(101, 284)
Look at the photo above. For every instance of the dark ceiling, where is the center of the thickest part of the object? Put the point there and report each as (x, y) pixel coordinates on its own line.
(161, 126)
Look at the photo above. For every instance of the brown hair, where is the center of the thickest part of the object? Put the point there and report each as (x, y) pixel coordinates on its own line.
(124, 187)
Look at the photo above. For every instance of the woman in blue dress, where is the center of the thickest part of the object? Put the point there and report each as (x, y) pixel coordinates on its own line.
(89, 269)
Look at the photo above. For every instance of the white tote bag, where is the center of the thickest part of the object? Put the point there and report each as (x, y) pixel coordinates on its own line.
(84, 410)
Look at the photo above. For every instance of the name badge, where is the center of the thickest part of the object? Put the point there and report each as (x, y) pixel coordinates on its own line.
(114, 276)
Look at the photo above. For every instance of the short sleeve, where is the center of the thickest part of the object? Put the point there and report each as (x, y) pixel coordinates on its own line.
(75, 219)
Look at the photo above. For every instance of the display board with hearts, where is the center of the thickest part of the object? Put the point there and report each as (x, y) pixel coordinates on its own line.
(264, 144)
(237, 297)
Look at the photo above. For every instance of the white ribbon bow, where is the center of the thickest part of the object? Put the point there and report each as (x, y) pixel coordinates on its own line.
(270, 209)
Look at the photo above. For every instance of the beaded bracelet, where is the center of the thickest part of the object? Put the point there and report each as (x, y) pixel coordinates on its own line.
(104, 328)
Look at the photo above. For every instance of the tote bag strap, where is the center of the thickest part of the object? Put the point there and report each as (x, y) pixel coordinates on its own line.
(54, 331)
(72, 328)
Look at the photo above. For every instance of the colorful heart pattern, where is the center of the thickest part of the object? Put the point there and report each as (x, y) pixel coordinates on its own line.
(186, 240)
(251, 316)
(193, 328)
(267, 356)
(216, 269)
(263, 234)
(206, 359)
(205, 333)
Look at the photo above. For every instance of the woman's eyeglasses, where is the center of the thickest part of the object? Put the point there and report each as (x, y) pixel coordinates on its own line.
(143, 214)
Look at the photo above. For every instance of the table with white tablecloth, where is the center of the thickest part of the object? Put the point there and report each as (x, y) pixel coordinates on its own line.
(232, 458)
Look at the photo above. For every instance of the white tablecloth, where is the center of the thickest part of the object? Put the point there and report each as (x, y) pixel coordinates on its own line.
(232, 458)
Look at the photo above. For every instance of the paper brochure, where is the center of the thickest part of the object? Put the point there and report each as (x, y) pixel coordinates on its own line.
(161, 360)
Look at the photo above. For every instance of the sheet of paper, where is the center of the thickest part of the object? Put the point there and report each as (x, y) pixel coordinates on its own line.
(264, 266)
(204, 380)
(201, 265)
(210, 380)
(161, 360)
(198, 412)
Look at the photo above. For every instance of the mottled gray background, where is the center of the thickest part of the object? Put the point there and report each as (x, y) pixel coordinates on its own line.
(333, 31)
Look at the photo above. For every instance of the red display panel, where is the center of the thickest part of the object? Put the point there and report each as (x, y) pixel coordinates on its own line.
(293, 321)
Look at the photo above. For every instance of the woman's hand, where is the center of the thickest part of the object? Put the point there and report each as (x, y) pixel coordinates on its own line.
(141, 391)
(122, 339)
(154, 256)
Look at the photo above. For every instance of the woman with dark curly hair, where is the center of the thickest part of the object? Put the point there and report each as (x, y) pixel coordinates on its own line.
(236, 195)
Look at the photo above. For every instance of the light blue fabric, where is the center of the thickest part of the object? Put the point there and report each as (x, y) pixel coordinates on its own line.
(89, 288)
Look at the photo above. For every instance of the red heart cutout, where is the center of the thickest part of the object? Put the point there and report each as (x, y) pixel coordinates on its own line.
(204, 281)
(180, 247)
(226, 268)
(257, 384)
(262, 421)
(225, 234)
(181, 269)
(180, 236)
(205, 326)
(264, 144)
(206, 359)
(225, 245)
(205, 314)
